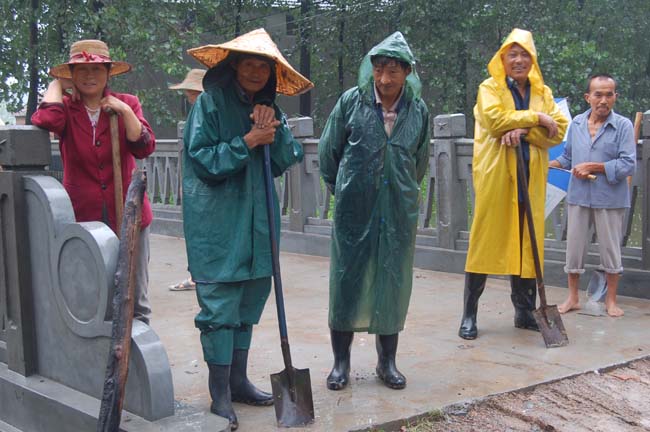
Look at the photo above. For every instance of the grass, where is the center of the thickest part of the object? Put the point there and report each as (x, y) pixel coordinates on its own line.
(425, 423)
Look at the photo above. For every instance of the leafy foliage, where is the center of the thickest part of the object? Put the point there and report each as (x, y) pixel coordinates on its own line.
(452, 40)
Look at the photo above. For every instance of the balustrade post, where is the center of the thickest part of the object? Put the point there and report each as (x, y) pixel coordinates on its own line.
(450, 191)
(180, 130)
(302, 201)
(645, 181)
(23, 150)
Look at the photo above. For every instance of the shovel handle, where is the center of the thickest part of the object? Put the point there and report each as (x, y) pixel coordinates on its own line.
(277, 279)
(117, 171)
(523, 184)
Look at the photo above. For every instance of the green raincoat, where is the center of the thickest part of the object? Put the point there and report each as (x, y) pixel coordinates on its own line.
(224, 203)
(375, 180)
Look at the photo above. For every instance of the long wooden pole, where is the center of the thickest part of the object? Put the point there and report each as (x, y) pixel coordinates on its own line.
(117, 172)
(117, 369)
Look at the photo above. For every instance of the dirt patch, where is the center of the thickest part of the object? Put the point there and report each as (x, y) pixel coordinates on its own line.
(612, 401)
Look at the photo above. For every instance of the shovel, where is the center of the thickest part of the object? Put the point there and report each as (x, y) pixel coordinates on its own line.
(294, 405)
(547, 316)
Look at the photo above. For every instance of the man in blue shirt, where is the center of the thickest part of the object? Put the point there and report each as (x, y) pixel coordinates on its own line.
(601, 143)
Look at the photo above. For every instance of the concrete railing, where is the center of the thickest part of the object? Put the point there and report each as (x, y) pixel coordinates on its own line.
(445, 209)
(56, 285)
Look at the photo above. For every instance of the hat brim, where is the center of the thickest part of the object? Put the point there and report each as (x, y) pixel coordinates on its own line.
(63, 70)
(289, 81)
(187, 85)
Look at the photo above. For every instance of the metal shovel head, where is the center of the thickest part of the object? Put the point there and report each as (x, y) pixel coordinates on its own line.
(551, 326)
(294, 405)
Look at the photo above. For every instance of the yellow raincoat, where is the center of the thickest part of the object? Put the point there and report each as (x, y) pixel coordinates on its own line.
(494, 245)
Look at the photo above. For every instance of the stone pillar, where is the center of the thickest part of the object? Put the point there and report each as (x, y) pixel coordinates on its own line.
(645, 181)
(23, 150)
(450, 190)
(302, 182)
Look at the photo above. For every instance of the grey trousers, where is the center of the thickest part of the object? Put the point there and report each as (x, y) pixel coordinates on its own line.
(609, 230)
(142, 307)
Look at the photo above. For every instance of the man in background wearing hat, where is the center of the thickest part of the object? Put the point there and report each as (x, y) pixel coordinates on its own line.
(373, 154)
(513, 107)
(192, 86)
(224, 202)
(75, 107)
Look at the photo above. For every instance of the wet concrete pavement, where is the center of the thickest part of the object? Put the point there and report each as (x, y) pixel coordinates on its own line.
(440, 367)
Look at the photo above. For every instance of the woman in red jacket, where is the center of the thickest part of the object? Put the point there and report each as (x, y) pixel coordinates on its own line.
(75, 107)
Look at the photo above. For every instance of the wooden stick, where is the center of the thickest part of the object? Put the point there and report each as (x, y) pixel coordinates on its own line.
(117, 369)
(117, 172)
(638, 120)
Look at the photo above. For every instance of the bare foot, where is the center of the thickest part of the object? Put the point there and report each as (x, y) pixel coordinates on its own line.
(569, 305)
(613, 310)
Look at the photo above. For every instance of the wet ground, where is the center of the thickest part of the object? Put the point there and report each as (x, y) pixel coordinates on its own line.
(441, 368)
(617, 400)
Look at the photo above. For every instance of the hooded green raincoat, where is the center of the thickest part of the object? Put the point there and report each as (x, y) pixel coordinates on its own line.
(494, 243)
(224, 203)
(375, 180)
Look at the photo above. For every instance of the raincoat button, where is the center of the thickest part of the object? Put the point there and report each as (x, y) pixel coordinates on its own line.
(385, 182)
(101, 166)
(98, 143)
(103, 186)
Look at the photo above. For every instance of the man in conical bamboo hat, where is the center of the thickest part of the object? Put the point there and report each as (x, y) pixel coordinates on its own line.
(224, 204)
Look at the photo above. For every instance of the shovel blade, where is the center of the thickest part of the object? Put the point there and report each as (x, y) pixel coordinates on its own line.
(292, 398)
(551, 326)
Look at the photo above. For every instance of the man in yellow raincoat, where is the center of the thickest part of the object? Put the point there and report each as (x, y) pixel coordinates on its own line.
(513, 107)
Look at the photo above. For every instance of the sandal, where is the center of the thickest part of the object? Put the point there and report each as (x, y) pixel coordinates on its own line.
(186, 285)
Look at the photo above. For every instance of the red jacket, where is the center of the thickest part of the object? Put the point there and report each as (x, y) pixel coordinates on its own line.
(87, 165)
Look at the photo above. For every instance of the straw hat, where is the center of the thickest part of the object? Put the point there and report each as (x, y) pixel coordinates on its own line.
(89, 51)
(193, 81)
(258, 42)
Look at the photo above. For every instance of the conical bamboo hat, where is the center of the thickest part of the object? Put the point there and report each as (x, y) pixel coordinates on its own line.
(258, 42)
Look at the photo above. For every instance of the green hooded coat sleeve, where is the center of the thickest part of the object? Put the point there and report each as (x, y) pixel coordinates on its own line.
(224, 202)
(375, 179)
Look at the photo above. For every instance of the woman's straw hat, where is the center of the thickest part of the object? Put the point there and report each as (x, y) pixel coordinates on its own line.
(193, 81)
(89, 51)
(258, 42)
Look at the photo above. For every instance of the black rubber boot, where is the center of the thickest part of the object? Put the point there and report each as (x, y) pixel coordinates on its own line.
(386, 368)
(341, 343)
(219, 384)
(474, 286)
(524, 296)
(241, 389)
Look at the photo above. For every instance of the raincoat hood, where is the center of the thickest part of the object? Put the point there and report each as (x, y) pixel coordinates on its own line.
(525, 39)
(394, 46)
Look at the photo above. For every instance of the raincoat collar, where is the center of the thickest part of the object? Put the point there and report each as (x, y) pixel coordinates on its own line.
(394, 46)
(525, 39)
